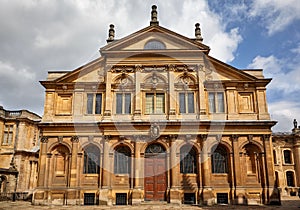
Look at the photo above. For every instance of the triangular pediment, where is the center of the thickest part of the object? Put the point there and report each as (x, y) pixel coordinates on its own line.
(138, 40)
(219, 70)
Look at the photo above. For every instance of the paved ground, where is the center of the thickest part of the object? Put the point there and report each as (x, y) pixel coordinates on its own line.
(21, 205)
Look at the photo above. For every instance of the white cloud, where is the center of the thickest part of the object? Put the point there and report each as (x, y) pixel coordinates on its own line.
(283, 90)
(284, 112)
(36, 36)
(285, 77)
(225, 44)
(276, 15)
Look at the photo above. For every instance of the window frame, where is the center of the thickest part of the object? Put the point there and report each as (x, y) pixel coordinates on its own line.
(290, 157)
(154, 44)
(92, 109)
(122, 152)
(213, 107)
(8, 134)
(88, 162)
(188, 166)
(186, 108)
(288, 178)
(154, 103)
(225, 163)
(123, 108)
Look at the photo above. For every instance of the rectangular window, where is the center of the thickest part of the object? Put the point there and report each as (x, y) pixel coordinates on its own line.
(222, 198)
(98, 105)
(155, 103)
(186, 103)
(123, 103)
(8, 135)
(94, 103)
(216, 102)
(287, 156)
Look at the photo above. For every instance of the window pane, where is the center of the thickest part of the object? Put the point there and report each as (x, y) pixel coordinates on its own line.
(127, 103)
(10, 135)
(98, 103)
(119, 103)
(160, 103)
(191, 104)
(219, 161)
(287, 156)
(187, 160)
(5, 138)
(149, 103)
(182, 108)
(220, 102)
(211, 101)
(290, 179)
(89, 105)
(122, 161)
(91, 160)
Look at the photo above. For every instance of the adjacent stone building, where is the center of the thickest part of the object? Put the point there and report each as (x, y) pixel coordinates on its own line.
(156, 118)
(286, 154)
(19, 149)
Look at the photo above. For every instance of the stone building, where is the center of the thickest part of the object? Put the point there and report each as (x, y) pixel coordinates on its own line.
(155, 118)
(19, 150)
(286, 154)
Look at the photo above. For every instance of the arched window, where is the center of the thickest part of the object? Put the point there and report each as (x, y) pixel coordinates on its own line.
(290, 181)
(91, 160)
(122, 163)
(188, 160)
(219, 160)
(287, 156)
(154, 45)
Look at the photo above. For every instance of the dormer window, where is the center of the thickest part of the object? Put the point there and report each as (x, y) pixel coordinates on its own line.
(154, 45)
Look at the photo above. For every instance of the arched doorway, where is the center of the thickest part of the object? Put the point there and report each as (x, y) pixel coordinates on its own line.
(155, 180)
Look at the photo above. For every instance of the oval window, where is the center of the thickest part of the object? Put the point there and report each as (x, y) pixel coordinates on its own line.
(154, 45)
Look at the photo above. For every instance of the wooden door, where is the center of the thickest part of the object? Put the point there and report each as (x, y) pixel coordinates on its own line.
(155, 178)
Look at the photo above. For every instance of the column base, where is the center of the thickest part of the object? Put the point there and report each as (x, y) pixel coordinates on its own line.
(105, 197)
(175, 196)
(137, 196)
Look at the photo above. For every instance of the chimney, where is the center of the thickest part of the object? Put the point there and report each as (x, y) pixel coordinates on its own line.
(198, 33)
(111, 33)
(154, 21)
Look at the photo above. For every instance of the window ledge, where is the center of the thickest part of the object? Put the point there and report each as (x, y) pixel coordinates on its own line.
(121, 175)
(90, 175)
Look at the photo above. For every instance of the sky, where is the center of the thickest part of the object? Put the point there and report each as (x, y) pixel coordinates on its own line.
(37, 36)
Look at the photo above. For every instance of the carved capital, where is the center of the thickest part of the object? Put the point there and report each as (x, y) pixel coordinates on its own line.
(74, 139)
(266, 137)
(173, 137)
(138, 68)
(44, 139)
(107, 138)
(234, 137)
(203, 137)
(172, 67)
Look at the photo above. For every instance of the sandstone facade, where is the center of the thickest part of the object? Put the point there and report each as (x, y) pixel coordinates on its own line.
(19, 149)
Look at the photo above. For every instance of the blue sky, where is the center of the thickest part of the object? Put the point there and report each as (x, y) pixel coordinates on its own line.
(38, 36)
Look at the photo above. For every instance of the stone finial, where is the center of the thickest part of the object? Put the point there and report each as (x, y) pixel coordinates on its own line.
(154, 21)
(111, 33)
(198, 32)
